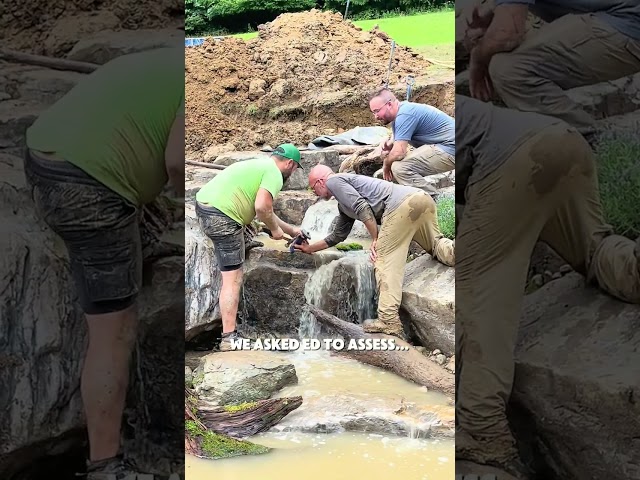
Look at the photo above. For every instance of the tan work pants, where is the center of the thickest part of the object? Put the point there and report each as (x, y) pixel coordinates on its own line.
(572, 51)
(415, 219)
(547, 190)
(422, 162)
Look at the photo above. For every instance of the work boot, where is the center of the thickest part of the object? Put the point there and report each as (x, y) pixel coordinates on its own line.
(226, 344)
(378, 326)
(114, 468)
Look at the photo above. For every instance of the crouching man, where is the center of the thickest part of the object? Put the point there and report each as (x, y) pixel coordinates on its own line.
(404, 214)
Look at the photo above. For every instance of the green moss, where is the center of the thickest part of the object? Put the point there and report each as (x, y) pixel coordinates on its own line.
(216, 446)
(240, 407)
(345, 247)
(197, 379)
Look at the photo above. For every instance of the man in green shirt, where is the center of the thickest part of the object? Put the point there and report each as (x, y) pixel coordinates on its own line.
(93, 160)
(229, 202)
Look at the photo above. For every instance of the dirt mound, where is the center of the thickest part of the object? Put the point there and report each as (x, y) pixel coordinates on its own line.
(239, 91)
(52, 27)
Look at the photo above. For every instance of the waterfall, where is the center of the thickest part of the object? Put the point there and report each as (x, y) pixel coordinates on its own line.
(345, 288)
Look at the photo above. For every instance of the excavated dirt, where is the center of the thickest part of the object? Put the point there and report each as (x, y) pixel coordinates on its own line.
(48, 27)
(291, 83)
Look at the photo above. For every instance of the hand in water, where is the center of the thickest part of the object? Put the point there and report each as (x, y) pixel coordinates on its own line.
(373, 254)
(303, 247)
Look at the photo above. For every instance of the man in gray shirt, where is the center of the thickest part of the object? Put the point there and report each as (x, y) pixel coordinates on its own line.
(524, 178)
(404, 213)
(430, 131)
(586, 42)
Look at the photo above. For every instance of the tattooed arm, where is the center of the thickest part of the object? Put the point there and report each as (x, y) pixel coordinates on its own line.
(505, 33)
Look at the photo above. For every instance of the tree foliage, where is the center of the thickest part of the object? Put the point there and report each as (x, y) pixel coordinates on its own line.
(236, 16)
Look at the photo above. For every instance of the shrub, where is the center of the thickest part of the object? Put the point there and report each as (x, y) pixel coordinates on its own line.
(447, 215)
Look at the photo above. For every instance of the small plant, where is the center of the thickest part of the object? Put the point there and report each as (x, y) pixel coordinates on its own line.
(252, 109)
(447, 215)
(347, 247)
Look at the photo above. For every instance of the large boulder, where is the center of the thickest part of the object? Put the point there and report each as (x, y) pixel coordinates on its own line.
(292, 206)
(577, 378)
(231, 378)
(362, 413)
(202, 280)
(428, 303)
(43, 335)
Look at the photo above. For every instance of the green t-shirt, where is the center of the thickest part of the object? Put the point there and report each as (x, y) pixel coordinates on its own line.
(114, 124)
(233, 191)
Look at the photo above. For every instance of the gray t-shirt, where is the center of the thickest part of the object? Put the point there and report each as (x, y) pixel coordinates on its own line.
(421, 124)
(362, 198)
(623, 15)
(487, 135)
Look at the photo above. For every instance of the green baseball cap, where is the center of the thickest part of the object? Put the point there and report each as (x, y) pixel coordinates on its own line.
(288, 150)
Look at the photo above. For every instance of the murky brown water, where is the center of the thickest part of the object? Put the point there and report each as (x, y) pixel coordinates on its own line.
(348, 456)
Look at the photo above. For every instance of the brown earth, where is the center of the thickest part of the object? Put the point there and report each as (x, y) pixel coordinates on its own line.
(292, 82)
(52, 27)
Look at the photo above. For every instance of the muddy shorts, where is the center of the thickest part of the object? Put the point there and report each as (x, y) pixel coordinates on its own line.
(226, 234)
(99, 228)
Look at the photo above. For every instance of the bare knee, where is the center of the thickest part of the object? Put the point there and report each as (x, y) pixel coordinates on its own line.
(113, 329)
(232, 279)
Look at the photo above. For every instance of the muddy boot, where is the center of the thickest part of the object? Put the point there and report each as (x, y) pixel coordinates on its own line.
(228, 339)
(115, 468)
(377, 326)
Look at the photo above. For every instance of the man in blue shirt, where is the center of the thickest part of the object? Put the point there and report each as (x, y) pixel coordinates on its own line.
(585, 42)
(430, 131)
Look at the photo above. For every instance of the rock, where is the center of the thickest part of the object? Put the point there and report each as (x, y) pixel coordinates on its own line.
(273, 296)
(428, 303)
(320, 216)
(299, 180)
(231, 378)
(280, 88)
(441, 359)
(43, 335)
(362, 413)
(291, 206)
(537, 281)
(421, 349)
(68, 29)
(202, 282)
(565, 269)
(581, 395)
(441, 180)
(214, 151)
(35, 84)
(556, 276)
(188, 375)
(437, 351)
(196, 178)
(257, 88)
(15, 117)
(107, 45)
(233, 157)
(451, 364)
(608, 99)
(311, 158)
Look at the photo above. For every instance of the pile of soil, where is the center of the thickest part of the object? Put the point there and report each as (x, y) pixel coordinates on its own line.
(243, 92)
(47, 27)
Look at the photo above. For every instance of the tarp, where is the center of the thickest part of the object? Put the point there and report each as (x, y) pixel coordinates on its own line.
(355, 136)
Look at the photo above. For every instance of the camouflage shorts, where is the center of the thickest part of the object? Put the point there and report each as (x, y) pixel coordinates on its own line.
(227, 235)
(100, 229)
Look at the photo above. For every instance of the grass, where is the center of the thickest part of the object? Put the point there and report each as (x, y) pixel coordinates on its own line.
(447, 215)
(619, 179)
(218, 446)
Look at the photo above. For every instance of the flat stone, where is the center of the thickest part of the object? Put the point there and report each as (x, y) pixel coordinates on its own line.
(291, 206)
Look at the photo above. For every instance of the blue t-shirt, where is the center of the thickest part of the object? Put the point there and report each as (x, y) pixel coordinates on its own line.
(623, 15)
(421, 124)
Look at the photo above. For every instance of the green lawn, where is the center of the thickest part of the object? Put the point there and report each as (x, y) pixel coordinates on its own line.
(425, 30)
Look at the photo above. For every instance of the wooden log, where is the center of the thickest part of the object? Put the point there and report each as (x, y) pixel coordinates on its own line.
(49, 62)
(409, 364)
(350, 149)
(205, 165)
(255, 418)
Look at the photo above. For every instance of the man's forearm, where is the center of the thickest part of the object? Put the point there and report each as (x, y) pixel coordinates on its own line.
(286, 228)
(394, 157)
(317, 246)
(266, 216)
(372, 228)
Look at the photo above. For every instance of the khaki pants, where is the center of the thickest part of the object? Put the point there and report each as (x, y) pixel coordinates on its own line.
(572, 51)
(422, 162)
(547, 190)
(415, 219)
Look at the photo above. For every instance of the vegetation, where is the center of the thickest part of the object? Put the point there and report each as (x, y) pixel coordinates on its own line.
(223, 17)
(215, 446)
(619, 179)
(240, 407)
(447, 215)
(346, 247)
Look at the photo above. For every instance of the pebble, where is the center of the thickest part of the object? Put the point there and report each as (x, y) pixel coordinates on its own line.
(564, 269)
(441, 359)
(556, 276)
(437, 351)
(537, 280)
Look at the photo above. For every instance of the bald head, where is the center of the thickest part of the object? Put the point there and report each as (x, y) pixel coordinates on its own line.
(384, 105)
(318, 176)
